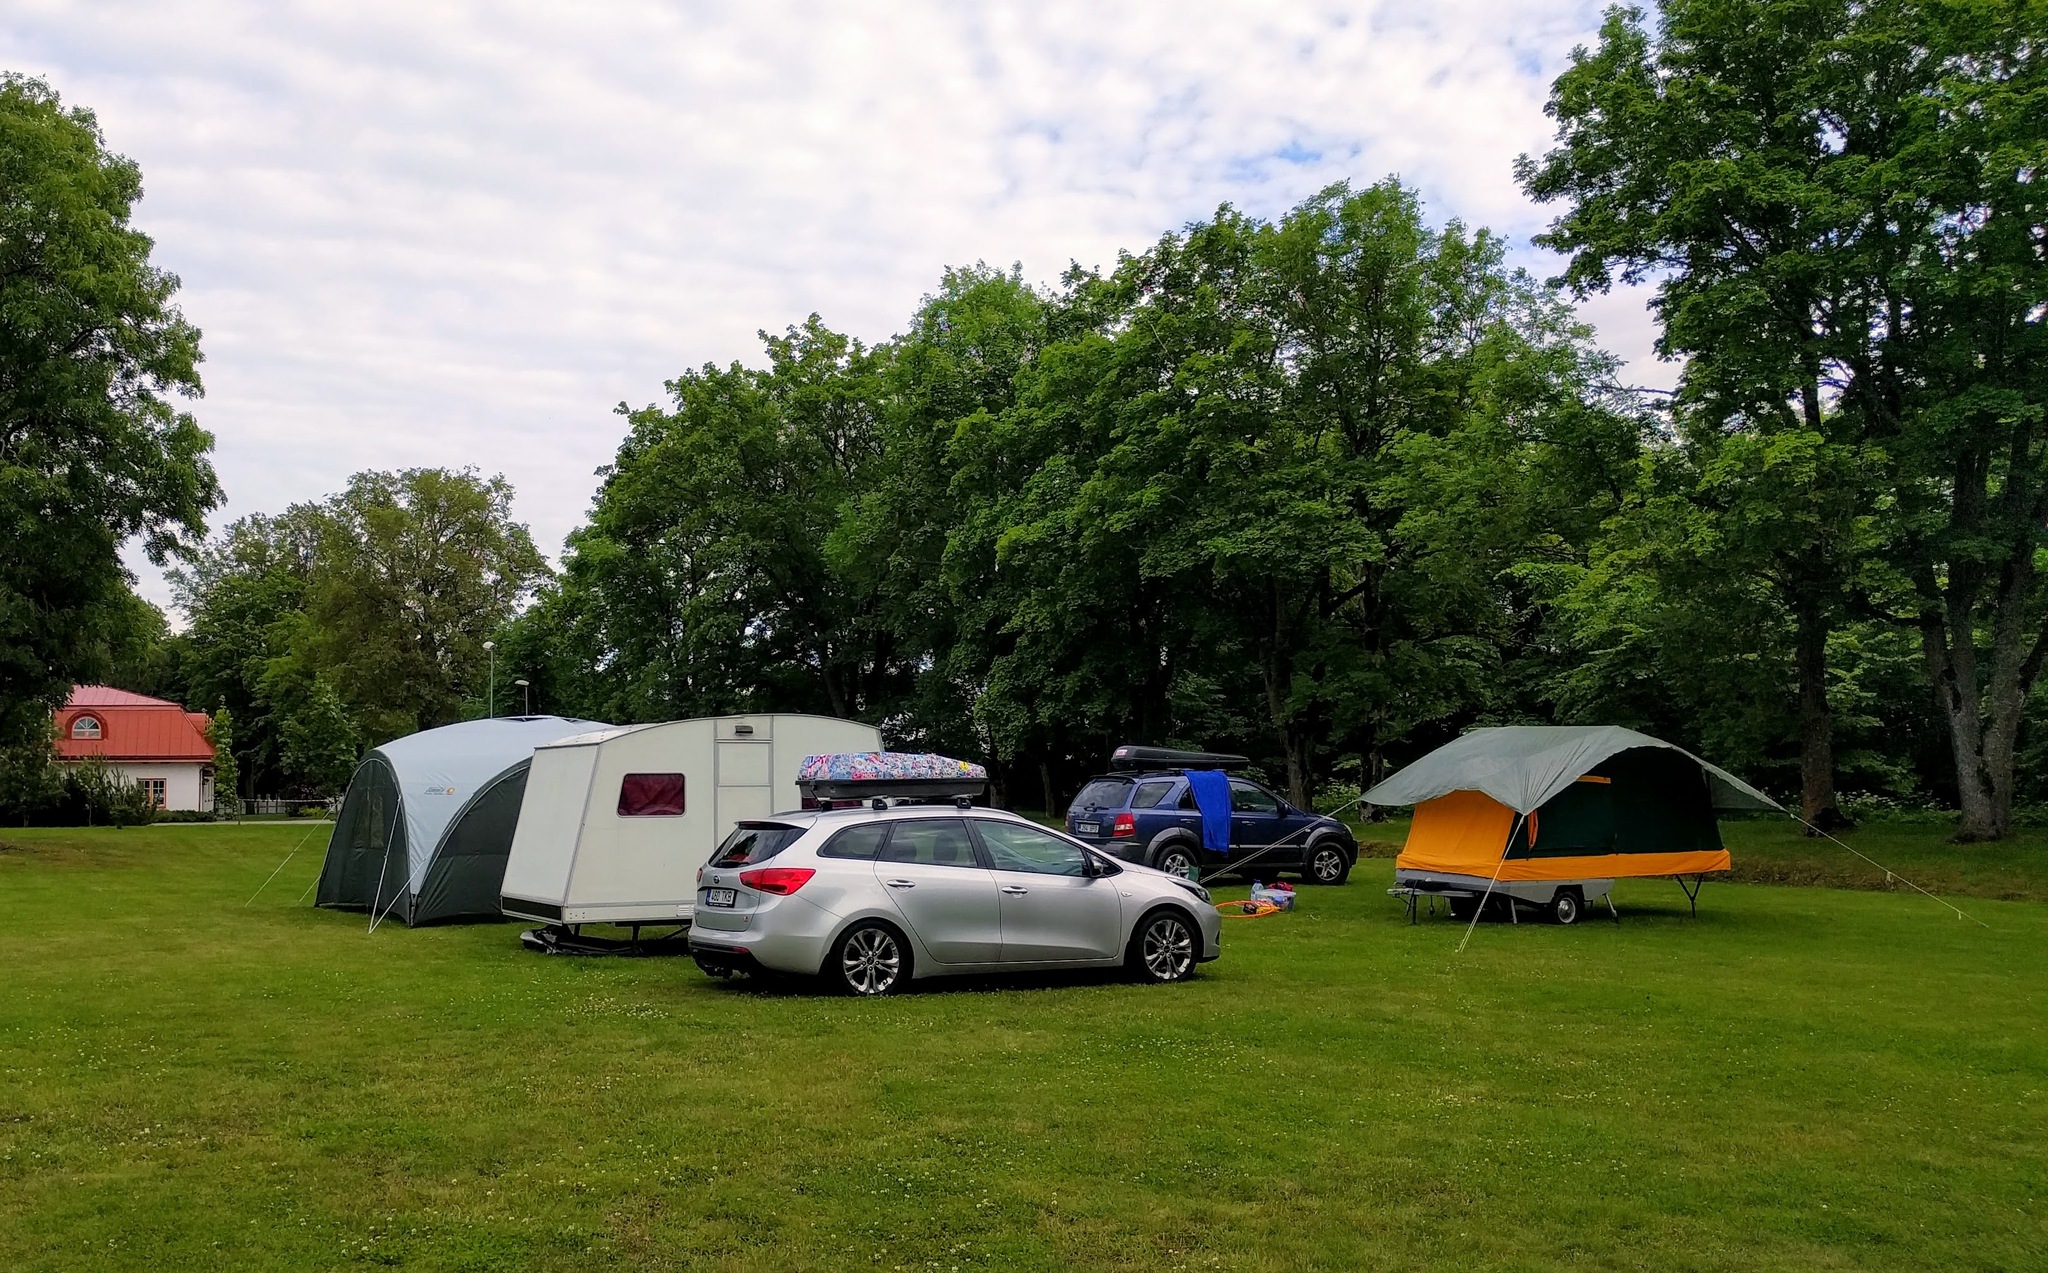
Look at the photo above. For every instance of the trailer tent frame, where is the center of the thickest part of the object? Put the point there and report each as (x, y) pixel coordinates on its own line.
(1532, 812)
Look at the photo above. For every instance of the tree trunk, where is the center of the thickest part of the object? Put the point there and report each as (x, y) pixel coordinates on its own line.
(1817, 806)
(1045, 785)
(1983, 725)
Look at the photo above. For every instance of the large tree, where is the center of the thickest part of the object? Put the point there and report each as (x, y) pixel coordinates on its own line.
(93, 451)
(1838, 202)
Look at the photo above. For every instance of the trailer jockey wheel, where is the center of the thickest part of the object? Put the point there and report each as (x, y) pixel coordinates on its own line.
(1565, 906)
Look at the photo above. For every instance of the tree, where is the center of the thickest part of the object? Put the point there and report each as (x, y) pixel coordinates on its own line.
(227, 775)
(409, 574)
(1838, 201)
(92, 451)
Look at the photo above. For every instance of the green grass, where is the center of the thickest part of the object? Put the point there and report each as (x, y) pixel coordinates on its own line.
(1798, 1079)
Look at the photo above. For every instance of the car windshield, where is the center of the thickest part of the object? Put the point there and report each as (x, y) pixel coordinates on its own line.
(1102, 793)
(754, 842)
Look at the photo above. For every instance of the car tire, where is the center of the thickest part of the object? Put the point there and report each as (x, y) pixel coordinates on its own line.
(1566, 906)
(870, 959)
(1176, 859)
(1326, 864)
(1165, 947)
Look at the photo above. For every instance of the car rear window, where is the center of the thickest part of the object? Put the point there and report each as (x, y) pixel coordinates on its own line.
(1103, 793)
(753, 842)
(1149, 794)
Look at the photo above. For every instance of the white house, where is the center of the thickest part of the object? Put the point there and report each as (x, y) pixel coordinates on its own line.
(148, 741)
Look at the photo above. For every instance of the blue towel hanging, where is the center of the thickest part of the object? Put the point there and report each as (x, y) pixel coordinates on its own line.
(1212, 797)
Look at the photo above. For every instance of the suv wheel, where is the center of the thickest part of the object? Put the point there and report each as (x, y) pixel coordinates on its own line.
(1163, 948)
(1327, 864)
(1176, 859)
(869, 959)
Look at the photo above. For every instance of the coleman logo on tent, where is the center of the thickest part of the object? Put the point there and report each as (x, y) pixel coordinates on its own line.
(440, 791)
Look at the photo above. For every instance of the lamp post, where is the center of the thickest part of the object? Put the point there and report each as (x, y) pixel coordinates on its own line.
(491, 703)
(526, 691)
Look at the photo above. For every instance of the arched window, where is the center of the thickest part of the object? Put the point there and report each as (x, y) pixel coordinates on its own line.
(86, 727)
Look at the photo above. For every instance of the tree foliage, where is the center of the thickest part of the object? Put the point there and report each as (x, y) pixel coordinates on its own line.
(93, 451)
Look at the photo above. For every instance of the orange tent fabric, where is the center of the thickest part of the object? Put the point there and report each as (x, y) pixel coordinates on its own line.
(1468, 833)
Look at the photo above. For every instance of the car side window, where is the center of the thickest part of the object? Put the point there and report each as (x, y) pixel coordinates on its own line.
(1187, 798)
(1149, 794)
(1014, 847)
(1245, 798)
(930, 842)
(861, 843)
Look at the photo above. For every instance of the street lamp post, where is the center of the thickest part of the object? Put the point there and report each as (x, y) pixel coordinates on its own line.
(527, 692)
(491, 704)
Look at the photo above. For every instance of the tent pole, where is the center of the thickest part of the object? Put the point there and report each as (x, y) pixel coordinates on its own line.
(1480, 909)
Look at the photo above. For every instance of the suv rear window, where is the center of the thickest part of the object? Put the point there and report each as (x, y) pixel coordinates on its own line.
(1103, 793)
(755, 842)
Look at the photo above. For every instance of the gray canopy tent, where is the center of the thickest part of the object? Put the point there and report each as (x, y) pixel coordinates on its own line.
(427, 822)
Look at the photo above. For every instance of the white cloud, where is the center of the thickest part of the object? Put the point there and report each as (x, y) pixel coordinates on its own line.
(459, 233)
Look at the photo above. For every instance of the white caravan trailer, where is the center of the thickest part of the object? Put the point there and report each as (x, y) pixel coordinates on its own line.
(615, 823)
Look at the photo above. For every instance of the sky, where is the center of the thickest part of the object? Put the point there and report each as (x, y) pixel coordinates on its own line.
(461, 234)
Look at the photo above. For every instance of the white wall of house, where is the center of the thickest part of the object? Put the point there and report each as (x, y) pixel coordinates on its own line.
(187, 784)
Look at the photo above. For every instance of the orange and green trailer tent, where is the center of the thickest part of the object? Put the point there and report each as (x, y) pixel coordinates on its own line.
(1535, 811)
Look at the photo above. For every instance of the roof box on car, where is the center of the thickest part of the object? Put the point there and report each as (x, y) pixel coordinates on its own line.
(903, 775)
(1130, 756)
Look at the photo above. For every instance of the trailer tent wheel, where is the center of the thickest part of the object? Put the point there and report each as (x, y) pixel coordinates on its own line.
(1565, 906)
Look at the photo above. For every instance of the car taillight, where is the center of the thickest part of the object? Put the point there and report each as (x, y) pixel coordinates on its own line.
(1125, 824)
(780, 880)
(700, 875)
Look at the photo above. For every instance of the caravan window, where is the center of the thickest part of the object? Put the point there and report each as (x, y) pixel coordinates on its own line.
(651, 796)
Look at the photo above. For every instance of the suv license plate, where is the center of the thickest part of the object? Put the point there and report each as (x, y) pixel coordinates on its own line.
(719, 897)
(1088, 828)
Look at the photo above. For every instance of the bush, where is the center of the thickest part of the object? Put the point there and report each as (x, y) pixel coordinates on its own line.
(189, 815)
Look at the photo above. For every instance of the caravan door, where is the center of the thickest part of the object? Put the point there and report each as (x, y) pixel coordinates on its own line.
(745, 772)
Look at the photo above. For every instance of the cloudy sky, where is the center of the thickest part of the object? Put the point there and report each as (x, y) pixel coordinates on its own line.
(459, 234)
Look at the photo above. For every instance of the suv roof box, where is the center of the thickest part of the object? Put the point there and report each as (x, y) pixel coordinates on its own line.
(1130, 756)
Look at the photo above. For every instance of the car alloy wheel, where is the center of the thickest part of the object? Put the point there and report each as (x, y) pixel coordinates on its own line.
(1326, 865)
(1177, 861)
(1166, 948)
(870, 960)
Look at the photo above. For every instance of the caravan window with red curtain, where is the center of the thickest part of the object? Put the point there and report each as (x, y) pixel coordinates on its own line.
(651, 796)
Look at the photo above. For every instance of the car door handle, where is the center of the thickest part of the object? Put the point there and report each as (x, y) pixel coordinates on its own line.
(901, 883)
(1015, 891)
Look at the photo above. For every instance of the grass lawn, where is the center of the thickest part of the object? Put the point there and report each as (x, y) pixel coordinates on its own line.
(1801, 1078)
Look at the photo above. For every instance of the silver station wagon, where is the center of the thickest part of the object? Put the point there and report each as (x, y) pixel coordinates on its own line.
(872, 898)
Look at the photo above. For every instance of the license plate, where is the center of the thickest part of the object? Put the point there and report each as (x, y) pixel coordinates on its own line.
(719, 897)
(1088, 828)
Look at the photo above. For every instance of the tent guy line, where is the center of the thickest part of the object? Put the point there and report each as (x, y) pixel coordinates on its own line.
(1889, 873)
(1480, 909)
(280, 866)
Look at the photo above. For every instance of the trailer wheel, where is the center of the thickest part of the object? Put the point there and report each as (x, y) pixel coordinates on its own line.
(1566, 906)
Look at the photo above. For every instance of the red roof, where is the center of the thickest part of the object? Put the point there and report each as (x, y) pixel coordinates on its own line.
(132, 727)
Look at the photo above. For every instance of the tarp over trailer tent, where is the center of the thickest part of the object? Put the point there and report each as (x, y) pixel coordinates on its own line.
(1527, 809)
(428, 819)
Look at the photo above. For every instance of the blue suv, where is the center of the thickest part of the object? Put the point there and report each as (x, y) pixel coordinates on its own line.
(1143, 812)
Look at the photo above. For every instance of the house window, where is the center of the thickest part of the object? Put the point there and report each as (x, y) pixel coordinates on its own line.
(87, 727)
(651, 796)
(155, 788)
